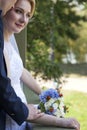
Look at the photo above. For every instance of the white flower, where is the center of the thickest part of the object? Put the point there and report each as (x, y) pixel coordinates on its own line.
(57, 113)
(49, 103)
(61, 99)
(55, 105)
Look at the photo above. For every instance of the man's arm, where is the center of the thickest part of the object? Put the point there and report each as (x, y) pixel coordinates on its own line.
(10, 103)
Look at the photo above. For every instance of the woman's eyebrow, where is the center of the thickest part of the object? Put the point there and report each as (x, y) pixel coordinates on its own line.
(19, 8)
(22, 9)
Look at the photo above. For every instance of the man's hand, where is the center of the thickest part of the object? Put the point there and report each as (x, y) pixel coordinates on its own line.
(34, 113)
(6, 5)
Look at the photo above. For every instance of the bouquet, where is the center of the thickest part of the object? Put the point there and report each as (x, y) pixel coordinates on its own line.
(51, 102)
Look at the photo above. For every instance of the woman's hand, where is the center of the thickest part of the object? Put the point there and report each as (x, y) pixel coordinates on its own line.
(71, 123)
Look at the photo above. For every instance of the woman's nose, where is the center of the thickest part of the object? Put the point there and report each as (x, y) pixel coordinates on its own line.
(23, 19)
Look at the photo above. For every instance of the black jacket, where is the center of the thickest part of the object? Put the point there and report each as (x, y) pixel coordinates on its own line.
(9, 102)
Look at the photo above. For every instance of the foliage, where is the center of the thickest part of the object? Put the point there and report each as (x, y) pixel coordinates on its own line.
(80, 46)
(50, 32)
(40, 63)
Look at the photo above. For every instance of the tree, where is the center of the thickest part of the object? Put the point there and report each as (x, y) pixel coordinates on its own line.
(80, 46)
(49, 31)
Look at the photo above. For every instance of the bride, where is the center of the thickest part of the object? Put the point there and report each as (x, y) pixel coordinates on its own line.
(15, 21)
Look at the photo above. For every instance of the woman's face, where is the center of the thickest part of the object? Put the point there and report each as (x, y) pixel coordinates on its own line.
(18, 17)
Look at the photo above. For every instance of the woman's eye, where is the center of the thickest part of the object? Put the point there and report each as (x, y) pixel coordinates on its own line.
(18, 11)
(28, 15)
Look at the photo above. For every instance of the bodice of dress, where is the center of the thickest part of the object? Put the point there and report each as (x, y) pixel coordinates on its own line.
(16, 69)
(16, 65)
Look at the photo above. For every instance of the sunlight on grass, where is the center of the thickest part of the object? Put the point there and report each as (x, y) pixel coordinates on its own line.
(77, 103)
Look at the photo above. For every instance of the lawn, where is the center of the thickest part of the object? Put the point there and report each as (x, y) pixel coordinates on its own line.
(77, 103)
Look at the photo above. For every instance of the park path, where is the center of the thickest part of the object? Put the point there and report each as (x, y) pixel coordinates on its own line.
(75, 83)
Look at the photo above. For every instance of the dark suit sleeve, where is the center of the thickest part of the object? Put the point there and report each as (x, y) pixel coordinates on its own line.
(9, 101)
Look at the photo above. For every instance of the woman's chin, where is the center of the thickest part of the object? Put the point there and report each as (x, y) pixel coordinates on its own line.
(18, 31)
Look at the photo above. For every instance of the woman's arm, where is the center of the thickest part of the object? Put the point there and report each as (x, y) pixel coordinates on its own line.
(47, 119)
(29, 81)
(55, 121)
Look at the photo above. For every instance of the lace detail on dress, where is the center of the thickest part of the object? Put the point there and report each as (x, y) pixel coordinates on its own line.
(16, 65)
(16, 68)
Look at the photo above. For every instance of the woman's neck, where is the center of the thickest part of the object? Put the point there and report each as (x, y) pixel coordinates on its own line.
(6, 35)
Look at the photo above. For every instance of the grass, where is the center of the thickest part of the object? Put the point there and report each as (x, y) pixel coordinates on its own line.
(77, 103)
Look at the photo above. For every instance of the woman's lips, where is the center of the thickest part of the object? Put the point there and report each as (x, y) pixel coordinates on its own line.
(19, 25)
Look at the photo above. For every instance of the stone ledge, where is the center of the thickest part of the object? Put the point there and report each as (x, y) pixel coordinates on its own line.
(42, 127)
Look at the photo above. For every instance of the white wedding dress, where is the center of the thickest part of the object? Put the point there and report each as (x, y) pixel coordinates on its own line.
(16, 68)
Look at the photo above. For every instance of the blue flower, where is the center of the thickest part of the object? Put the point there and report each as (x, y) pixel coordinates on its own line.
(46, 95)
